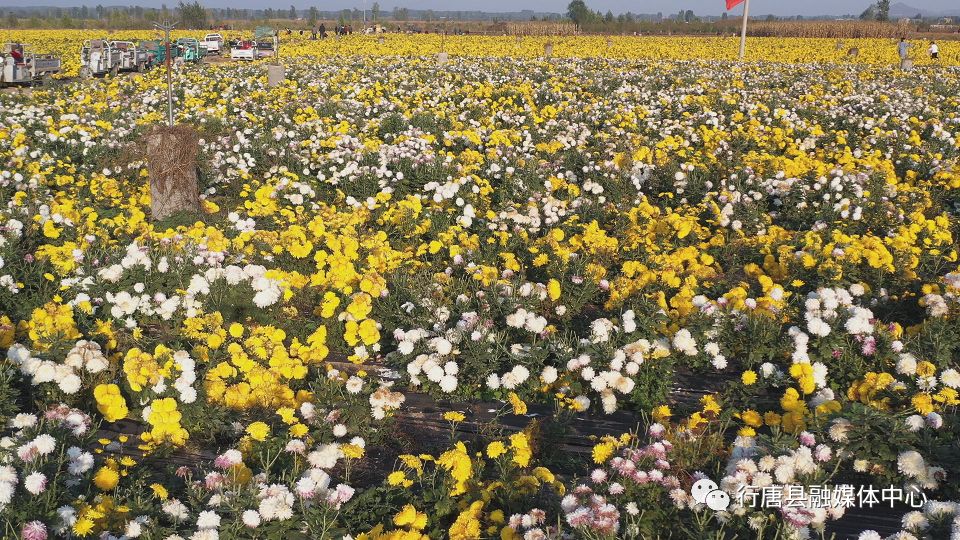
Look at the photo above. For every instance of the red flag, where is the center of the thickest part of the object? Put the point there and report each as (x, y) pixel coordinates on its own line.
(732, 3)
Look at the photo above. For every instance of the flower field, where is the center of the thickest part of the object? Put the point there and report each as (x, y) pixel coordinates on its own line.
(67, 43)
(753, 268)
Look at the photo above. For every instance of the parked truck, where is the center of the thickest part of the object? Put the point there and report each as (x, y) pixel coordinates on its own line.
(18, 65)
(243, 49)
(214, 43)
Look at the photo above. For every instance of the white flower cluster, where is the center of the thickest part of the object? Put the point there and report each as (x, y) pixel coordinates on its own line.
(266, 291)
(750, 471)
(829, 304)
(383, 400)
(314, 485)
(11, 230)
(184, 382)
(527, 320)
(276, 501)
(922, 524)
(509, 380)
(938, 305)
(913, 466)
(8, 484)
(85, 356)
(30, 450)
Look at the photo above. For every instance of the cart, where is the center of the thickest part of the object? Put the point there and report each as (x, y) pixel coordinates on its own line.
(21, 66)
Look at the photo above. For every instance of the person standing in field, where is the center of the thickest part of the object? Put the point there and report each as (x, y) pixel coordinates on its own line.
(934, 50)
(903, 49)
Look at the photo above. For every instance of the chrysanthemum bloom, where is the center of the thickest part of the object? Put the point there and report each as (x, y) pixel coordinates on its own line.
(34, 530)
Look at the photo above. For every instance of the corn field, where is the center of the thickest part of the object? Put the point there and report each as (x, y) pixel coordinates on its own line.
(552, 28)
(831, 29)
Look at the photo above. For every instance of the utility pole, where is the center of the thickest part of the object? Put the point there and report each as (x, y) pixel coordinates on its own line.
(167, 26)
(443, 33)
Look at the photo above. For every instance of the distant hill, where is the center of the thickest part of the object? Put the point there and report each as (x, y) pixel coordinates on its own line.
(900, 10)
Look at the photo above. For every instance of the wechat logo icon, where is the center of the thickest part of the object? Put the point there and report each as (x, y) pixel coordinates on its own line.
(706, 491)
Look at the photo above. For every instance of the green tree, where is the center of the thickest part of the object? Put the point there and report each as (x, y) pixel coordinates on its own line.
(314, 15)
(12, 21)
(375, 11)
(578, 12)
(293, 13)
(192, 15)
(883, 10)
(608, 18)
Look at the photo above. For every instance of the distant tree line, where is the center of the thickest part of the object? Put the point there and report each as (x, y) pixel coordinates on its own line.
(195, 15)
(684, 21)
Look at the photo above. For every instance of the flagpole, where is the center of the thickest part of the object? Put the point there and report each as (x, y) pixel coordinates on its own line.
(743, 30)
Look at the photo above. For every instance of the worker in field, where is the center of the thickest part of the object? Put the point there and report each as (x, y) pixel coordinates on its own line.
(903, 49)
(323, 31)
(934, 50)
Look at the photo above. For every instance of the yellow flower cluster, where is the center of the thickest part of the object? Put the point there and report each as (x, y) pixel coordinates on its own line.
(100, 514)
(457, 462)
(53, 323)
(867, 389)
(110, 402)
(142, 368)
(164, 419)
(260, 368)
(803, 374)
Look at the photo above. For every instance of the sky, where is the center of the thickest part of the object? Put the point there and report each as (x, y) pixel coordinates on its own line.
(705, 7)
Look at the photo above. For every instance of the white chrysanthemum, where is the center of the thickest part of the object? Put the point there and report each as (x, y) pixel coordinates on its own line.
(915, 521)
(23, 420)
(950, 377)
(907, 364)
(45, 444)
(448, 383)
(818, 327)
(549, 375)
(208, 519)
(911, 463)
(838, 430)
(70, 384)
(684, 342)
(354, 384)
(251, 518)
(325, 457)
(175, 509)
(915, 423)
(35, 483)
